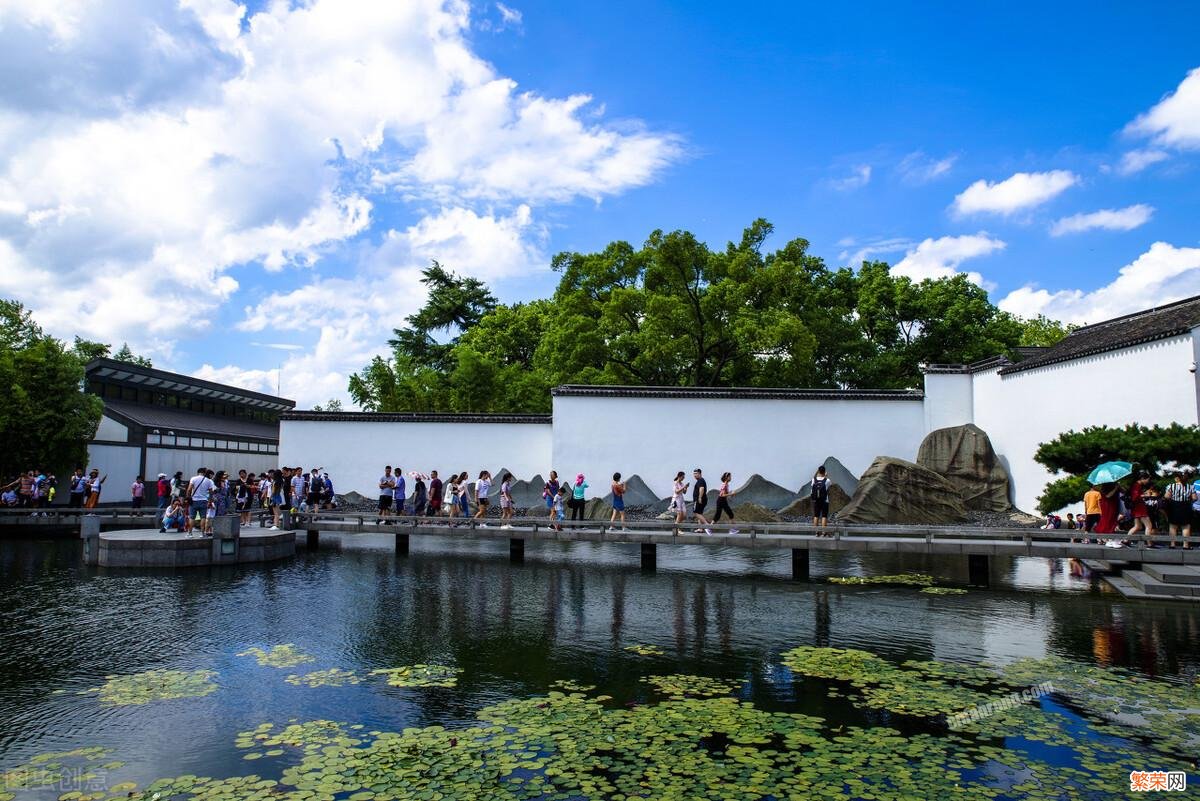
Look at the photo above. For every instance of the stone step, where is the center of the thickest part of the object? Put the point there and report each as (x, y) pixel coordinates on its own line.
(1103, 565)
(1152, 586)
(1128, 589)
(1173, 574)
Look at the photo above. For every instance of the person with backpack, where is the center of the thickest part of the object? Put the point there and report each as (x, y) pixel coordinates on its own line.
(77, 489)
(820, 498)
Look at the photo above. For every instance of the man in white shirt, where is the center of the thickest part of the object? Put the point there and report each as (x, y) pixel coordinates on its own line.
(198, 492)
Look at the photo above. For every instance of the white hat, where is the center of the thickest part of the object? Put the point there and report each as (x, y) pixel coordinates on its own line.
(162, 475)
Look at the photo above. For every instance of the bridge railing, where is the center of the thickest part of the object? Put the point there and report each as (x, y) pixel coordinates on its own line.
(365, 522)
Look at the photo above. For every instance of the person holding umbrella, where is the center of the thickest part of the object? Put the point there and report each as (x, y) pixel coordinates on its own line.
(1106, 476)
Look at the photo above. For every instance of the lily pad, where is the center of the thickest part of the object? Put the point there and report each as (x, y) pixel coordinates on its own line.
(154, 685)
(279, 656)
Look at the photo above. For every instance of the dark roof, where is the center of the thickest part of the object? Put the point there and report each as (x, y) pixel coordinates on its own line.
(414, 417)
(150, 378)
(735, 393)
(1160, 322)
(165, 418)
(974, 367)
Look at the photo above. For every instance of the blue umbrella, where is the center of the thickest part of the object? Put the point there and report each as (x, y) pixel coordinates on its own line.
(1110, 472)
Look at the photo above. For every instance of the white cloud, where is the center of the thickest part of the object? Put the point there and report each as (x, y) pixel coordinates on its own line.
(866, 250)
(1021, 191)
(152, 155)
(918, 168)
(859, 177)
(1162, 274)
(940, 258)
(1175, 120)
(509, 15)
(1137, 160)
(1125, 219)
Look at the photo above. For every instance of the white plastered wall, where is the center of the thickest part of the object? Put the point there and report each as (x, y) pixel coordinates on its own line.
(1148, 384)
(355, 452)
(782, 440)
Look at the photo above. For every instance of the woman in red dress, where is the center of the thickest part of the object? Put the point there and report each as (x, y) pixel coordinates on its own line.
(1109, 512)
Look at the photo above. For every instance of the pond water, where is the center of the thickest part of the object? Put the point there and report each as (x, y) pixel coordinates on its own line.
(797, 710)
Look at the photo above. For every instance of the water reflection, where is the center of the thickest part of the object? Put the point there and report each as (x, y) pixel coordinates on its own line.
(566, 612)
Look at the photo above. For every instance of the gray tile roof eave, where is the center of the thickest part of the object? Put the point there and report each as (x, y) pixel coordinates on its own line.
(735, 393)
(413, 417)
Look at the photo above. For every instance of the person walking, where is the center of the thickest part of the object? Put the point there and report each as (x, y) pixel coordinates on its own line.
(1179, 510)
(277, 487)
(578, 497)
(137, 491)
(820, 498)
(678, 504)
(1110, 513)
(557, 514)
(420, 495)
(387, 485)
(700, 500)
(483, 486)
(435, 494)
(506, 501)
(550, 492)
(723, 496)
(455, 503)
(1139, 511)
(618, 500)
(464, 496)
(399, 492)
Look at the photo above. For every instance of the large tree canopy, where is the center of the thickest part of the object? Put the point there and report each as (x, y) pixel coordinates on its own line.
(676, 313)
(45, 417)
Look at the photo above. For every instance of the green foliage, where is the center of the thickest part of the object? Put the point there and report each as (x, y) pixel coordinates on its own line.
(1043, 332)
(1078, 452)
(126, 355)
(676, 312)
(45, 417)
(332, 405)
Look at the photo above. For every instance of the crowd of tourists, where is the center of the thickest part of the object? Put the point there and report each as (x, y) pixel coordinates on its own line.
(1143, 508)
(458, 497)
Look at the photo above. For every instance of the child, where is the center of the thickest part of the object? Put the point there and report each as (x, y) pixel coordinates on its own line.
(560, 501)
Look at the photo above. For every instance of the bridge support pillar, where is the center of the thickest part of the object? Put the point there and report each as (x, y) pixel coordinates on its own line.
(649, 556)
(978, 570)
(800, 564)
(516, 549)
(313, 539)
(401, 544)
(89, 532)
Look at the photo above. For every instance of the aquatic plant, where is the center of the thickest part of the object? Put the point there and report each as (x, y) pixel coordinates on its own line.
(900, 579)
(333, 677)
(682, 685)
(645, 650)
(566, 685)
(153, 685)
(944, 591)
(420, 675)
(279, 656)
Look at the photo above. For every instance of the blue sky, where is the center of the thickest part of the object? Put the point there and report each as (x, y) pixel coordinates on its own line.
(235, 190)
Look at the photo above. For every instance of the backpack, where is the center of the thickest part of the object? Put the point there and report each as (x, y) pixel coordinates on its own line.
(820, 488)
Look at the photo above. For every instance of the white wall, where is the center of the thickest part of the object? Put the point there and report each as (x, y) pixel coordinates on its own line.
(168, 460)
(120, 463)
(355, 452)
(1147, 384)
(111, 431)
(783, 440)
(947, 400)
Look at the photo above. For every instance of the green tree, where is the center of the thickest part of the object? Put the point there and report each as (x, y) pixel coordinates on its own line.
(45, 417)
(1043, 332)
(332, 405)
(85, 350)
(127, 355)
(1076, 453)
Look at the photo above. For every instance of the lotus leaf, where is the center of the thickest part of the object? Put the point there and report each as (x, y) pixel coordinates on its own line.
(334, 677)
(279, 656)
(154, 685)
(645, 650)
(420, 676)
